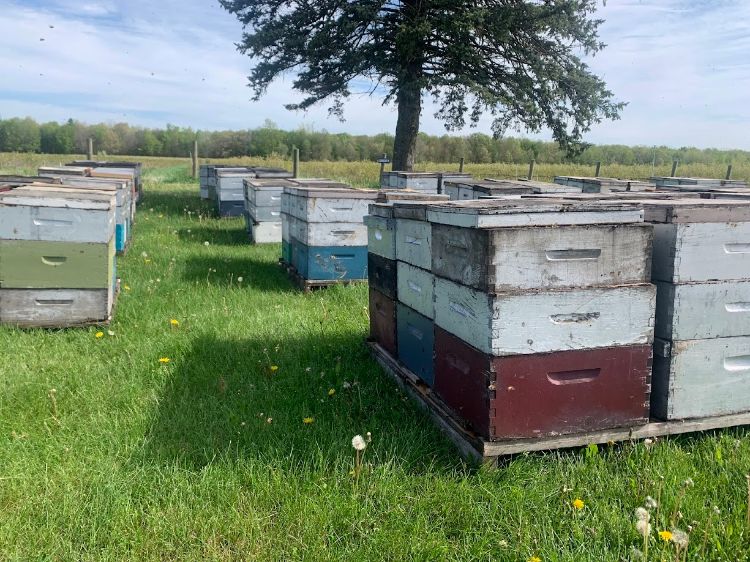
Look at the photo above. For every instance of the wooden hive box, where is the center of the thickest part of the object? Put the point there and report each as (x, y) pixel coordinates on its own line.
(328, 205)
(451, 177)
(528, 257)
(263, 214)
(700, 378)
(50, 213)
(416, 288)
(381, 236)
(55, 308)
(329, 263)
(516, 323)
(419, 181)
(35, 264)
(58, 171)
(533, 396)
(416, 342)
(265, 232)
(327, 234)
(383, 321)
(137, 168)
(404, 195)
(382, 274)
(539, 187)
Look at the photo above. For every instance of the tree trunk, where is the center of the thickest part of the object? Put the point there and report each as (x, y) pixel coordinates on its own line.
(407, 127)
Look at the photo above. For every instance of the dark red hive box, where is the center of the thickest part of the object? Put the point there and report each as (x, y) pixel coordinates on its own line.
(527, 396)
(383, 321)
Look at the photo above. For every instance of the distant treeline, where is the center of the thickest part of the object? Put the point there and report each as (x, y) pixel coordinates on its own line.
(26, 135)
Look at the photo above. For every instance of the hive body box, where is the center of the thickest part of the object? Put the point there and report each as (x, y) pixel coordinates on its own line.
(136, 167)
(702, 183)
(263, 209)
(57, 255)
(383, 320)
(603, 185)
(702, 270)
(545, 394)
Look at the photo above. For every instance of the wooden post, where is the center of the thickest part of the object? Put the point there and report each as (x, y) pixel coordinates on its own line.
(382, 166)
(729, 172)
(461, 165)
(531, 169)
(675, 163)
(90, 151)
(598, 169)
(295, 162)
(194, 156)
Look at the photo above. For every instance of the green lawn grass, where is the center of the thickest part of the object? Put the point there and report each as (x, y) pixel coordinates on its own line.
(207, 457)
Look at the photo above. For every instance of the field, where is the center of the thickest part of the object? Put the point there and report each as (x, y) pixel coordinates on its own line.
(106, 453)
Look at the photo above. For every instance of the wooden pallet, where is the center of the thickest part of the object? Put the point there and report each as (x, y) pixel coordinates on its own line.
(476, 448)
(309, 285)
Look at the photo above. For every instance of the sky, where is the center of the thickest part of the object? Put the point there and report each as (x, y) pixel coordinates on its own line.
(683, 66)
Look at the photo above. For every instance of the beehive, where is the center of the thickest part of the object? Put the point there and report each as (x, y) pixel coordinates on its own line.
(603, 185)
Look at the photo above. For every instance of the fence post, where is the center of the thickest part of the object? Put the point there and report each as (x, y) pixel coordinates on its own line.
(729, 172)
(461, 165)
(675, 163)
(194, 156)
(295, 162)
(531, 169)
(598, 169)
(90, 149)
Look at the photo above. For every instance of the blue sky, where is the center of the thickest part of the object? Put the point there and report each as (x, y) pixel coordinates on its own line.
(683, 66)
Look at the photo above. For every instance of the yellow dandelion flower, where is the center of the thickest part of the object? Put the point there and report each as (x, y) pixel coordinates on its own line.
(164, 360)
(666, 536)
(99, 335)
(332, 392)
(578, 503)
(308, 421)
(126, 287)
(174, 322)
(146, 261)
(274, 368)
(535, 559)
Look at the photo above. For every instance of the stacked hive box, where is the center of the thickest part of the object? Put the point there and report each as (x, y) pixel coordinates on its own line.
(707, 184)
(57, 256)
(226, 186)
(263, 209)
(702, 270)
(382, 266)
(427, 182)
(117, 170)
(327, 235)
(467, 190)
(123, 190)
(603, 185)
(543, 315)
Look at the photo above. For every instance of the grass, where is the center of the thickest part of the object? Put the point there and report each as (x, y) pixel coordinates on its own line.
(129, 458)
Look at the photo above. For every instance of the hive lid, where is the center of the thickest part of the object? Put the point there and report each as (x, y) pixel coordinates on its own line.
(41, 195)
(536, 186)
(105, 184)
(496, 213)
(19, 180)
(332, 192)
(386, 195)
(416, 174)
(319, 182)
(684, 210)
(64, 170)
(268, 184)
(414, 210)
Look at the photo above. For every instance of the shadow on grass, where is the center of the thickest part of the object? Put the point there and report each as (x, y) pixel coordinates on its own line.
(228, 235)
(176, 202)
(256, 274)
(224, 400)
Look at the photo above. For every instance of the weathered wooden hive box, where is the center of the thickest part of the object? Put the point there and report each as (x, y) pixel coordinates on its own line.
(417, 181)
(203, 183)
(57, 171)
(230, 193)
(327, 231)
(136, 167)
(603, 185)
(702, 270)
(557, 309)
(57, 256)
(263, 209)
(467, 190)
(708, 184)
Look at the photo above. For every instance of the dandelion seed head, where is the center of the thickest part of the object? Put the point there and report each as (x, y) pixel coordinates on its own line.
(717, 511)
(144, 255)
(688, 483)
(358, 442)
(503, 543)
(269, 420)
(651, 503)
(110, 333)
(635, 553)
(680, 538)
(648, 442)
(643, 527)
(207, 243)
(240, 280)
(641, 514)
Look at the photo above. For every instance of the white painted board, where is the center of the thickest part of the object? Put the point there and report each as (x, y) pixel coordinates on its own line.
(540, 322)
(56, 224)
(327, 209)
(328, 234)
(49, 308)
(414, 242)
(266, 233)
(416, 288)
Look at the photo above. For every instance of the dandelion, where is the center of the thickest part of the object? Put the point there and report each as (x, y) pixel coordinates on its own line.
(144, 255)
(578, 504)
(331, 392)
(503, 543)
(126, 287)
(535, 559)
(269, 420)
(641, 514)
(644, 528)
(273, 368)
(146, 261)
(359, 443)
(666, 536)
(369, 437)
(651, 503)
(636, 554)
(99, 335)
(346, 385)
(680, 538)
(174, 322)
(308, 421)
(688, 483)
(164, 360)
(207, 243)
(110, 333)
(648, 443)
(240, 280)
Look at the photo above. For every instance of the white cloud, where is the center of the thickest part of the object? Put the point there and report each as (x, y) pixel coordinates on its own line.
(684, 70)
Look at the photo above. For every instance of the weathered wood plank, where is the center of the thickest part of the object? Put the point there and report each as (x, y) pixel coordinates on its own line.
(414, 242)
(51, 308)
(416, 289)
(381, 236)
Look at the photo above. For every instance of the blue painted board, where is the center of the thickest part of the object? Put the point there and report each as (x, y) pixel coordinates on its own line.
(329, 263)
(416, 342)
(231, 208)
(120, 237)
(286, 251)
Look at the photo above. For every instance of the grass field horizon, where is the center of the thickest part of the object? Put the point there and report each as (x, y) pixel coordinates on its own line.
(106, 453)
